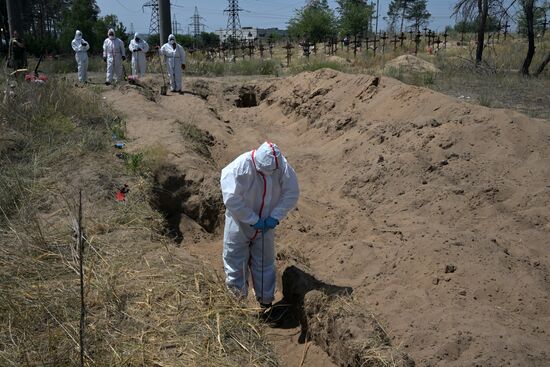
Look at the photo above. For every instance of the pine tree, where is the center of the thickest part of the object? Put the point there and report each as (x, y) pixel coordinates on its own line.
(418, 14)
(355, 17)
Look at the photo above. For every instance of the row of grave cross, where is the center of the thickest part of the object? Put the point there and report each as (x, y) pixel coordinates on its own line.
(331, 46)
(383, 41)
(377, 43)
(246, 47)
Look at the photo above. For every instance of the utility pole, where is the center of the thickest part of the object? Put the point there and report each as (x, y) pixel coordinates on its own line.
(164, 20)
(14, 16)
(233, 22)
(175, 25)
(196, 23)
(377, 13)
(154, 25)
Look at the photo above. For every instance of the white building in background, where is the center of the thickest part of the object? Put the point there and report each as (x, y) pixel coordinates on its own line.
(253, 33)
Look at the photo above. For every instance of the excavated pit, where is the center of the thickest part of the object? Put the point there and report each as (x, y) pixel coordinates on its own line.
(247, 97)
(332, 319)
(177, 194)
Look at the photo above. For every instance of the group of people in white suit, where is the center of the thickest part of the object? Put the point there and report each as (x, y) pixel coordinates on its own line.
(114, 54)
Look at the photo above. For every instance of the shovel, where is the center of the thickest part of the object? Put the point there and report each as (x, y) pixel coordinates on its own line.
(163, 87)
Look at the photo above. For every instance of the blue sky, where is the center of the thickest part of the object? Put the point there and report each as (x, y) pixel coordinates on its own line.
(257, 13)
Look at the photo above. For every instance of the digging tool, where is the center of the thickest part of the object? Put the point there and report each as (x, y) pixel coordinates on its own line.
(262, 287)
(163, 88)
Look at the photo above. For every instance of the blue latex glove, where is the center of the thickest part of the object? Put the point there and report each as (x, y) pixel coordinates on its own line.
(271, 223)
(260, 225)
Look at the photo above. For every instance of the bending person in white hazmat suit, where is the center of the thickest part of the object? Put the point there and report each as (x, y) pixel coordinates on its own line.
(174, 55)
(80, 48)
(259, 188)
(138, 47)
(113, 54)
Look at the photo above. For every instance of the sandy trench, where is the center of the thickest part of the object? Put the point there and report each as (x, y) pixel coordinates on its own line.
(436, 212)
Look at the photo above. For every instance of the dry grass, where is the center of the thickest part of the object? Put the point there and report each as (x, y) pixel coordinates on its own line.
(148, 303)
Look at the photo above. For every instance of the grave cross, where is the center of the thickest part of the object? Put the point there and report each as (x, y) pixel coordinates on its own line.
(384, 37)
(288, 48)
(402, 38)
(417, 41)
(262, 49)
(395, 41)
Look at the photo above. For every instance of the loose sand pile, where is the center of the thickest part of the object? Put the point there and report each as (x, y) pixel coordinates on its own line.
(411, 64)
(435, 212)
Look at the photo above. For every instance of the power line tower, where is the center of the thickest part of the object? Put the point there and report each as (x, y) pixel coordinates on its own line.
(154, 25)
(233, 30)
(175, 25)
(196, 23)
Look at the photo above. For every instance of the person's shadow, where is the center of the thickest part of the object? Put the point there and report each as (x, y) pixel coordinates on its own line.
(289, 312)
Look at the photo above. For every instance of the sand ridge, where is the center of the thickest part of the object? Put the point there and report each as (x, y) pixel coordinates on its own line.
(435, 211)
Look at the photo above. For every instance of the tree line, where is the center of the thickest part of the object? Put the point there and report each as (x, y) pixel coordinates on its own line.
(317, 22)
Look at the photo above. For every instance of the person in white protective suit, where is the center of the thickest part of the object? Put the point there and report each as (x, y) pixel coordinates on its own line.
(138, 47)
(259, 188)
(113, 54)
(80, 48)
(174, 55)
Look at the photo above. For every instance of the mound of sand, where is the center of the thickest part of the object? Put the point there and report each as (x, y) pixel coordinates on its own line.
(436, 212)
(410, 63)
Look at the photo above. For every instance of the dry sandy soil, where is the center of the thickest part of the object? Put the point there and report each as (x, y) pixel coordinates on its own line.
(436, 212)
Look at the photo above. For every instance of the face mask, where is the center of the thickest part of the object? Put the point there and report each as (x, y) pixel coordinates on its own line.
(172, 42)
(112, 36)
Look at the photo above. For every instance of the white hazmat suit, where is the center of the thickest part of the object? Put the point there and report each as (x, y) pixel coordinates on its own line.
(138, 47)
(80, 48)
(174, 55)
(113, 54)
(258, 185)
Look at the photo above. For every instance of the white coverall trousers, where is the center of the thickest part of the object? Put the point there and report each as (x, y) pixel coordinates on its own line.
(139, 63)
(250, 193)
(173, 66)
(114, 67)
(242, 256)
(82, 64)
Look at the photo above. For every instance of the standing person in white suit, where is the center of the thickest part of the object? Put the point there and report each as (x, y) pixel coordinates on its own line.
(174, 55)
(113, 54)
(138, 47)
(80, 48)
(259, 188)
